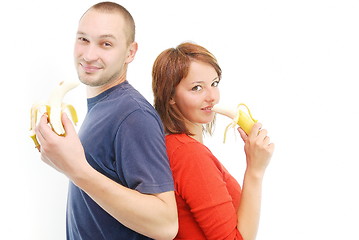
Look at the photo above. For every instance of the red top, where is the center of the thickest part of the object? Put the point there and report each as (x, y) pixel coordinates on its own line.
(207, 195)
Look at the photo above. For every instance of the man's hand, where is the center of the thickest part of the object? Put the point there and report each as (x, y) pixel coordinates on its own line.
(64, 153)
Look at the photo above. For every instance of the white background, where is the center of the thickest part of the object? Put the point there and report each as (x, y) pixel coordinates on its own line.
(294, 63)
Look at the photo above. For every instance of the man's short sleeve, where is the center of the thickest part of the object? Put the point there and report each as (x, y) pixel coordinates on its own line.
(141, 153)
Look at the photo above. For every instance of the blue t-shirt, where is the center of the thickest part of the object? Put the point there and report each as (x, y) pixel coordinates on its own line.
(123, 139)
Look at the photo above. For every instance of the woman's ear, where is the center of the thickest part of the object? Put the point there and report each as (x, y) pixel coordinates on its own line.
(172, 101)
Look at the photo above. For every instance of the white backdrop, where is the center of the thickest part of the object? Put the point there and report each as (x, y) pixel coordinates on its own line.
(294, 63)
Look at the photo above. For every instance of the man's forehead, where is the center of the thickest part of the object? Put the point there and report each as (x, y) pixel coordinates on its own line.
(101, 25)
(104, 19)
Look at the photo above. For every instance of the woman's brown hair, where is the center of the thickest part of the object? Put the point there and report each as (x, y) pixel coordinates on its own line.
(169, 68)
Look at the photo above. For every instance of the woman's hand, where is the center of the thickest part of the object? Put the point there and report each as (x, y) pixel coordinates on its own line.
(258, 149)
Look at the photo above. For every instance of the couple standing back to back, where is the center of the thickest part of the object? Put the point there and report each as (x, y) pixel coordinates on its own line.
(128, 181)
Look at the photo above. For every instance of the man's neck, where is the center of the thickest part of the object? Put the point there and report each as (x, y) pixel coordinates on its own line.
(94, 91)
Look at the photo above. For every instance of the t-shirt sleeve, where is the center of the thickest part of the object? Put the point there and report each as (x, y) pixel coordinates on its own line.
(199, 180)
(141, 154)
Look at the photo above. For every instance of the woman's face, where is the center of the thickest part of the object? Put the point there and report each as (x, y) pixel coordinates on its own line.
(196, 94)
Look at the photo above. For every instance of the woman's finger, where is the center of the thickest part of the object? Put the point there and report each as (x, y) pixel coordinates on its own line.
(266, 140)
(255, 130)
(242, 133)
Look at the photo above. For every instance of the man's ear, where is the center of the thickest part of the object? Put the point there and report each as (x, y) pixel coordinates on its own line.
(132, 50)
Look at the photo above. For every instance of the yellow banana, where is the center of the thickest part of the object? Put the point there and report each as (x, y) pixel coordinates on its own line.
(244, 120)
(54, 108)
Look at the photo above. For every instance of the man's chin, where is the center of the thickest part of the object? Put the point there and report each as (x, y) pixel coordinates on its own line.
(92, 82)
(87, 79)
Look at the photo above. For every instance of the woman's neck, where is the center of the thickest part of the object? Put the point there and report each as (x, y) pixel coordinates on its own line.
(197, 132)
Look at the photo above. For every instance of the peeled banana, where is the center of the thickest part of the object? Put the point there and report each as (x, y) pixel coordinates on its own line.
(54, 108)
(244, 120)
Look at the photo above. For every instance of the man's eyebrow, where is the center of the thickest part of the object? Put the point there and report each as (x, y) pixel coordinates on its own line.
(80, 33)
(107, 36)
(101, 36)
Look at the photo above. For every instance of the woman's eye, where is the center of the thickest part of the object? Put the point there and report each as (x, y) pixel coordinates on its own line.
(197, 88)
(107, 44)
(215, 84)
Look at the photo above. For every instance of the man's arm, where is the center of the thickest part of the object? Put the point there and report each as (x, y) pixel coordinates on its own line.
(153, 215)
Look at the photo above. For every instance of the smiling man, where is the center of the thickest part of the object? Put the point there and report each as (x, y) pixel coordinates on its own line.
(121, 185)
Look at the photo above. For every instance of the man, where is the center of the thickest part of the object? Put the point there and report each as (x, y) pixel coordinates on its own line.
(121, 186)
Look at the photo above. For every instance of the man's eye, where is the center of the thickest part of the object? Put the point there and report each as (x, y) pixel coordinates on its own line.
(82, 39)
(197, 88)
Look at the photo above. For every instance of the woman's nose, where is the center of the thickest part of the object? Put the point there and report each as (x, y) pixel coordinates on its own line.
(212, 94)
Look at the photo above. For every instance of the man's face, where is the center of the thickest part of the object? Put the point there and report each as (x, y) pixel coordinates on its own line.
(101, 51)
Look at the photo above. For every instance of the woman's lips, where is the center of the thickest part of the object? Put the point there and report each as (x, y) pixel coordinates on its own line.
(207, 109)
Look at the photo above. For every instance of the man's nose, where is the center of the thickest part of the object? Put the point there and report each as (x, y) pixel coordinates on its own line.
(90, 53)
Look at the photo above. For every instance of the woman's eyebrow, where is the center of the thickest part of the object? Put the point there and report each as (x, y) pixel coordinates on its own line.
(201, 81)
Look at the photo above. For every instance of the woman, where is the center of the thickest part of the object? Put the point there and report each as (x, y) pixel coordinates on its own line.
(210, 202)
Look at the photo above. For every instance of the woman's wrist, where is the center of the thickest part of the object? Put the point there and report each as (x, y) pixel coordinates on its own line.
(254, 175)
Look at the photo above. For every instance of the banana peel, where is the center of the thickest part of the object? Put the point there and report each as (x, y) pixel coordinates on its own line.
(238, 116)
(54, 108)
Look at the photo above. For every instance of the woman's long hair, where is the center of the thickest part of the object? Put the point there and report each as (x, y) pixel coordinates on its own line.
(169, 68)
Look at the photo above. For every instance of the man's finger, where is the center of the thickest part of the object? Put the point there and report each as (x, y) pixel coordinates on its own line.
(67, 123)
